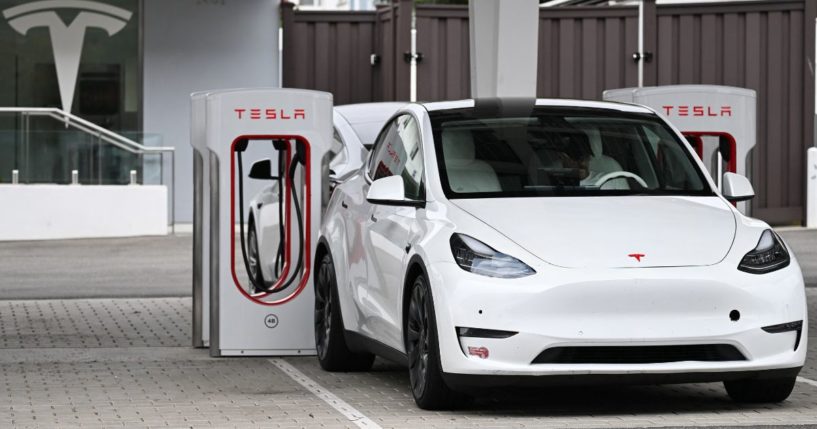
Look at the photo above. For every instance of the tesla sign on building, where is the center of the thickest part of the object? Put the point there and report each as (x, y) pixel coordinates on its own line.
(130, 67)
(82, 57)
(67, 38)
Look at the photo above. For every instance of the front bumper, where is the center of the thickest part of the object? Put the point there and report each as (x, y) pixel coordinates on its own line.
(619, 307)
(471, 382)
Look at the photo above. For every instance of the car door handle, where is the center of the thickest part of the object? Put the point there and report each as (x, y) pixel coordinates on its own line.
(343, 204)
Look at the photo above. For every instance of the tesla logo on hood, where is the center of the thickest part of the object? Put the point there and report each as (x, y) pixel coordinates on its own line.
(637, 256)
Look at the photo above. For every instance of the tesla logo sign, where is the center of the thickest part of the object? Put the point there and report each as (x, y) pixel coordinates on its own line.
(270, 114)
(637, 256)
(66, 40)
(698, 110)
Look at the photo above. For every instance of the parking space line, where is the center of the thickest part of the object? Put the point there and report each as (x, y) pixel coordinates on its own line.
(352, 414)
(807, 381)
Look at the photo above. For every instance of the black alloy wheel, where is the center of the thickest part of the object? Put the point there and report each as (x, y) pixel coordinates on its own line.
(323, 307)
(330, 342)
(423, 349)
(417, 336)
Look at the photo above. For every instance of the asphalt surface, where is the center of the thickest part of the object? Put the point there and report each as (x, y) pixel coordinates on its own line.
(98, 268)
(804, 243)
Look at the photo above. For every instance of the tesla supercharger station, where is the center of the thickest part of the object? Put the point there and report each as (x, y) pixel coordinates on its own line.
(720, 122)
(295, 128)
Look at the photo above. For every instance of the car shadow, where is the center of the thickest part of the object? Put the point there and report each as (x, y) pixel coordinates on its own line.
(582, 401)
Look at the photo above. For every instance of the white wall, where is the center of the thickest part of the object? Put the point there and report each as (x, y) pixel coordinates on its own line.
(195, 45)
(49, 212)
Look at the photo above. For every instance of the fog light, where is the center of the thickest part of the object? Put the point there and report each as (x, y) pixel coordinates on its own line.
(480, 352)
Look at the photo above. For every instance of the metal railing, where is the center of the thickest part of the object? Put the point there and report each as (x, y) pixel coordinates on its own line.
(102, 135)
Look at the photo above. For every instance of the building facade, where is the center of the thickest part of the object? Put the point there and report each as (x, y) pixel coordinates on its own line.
(128, 66)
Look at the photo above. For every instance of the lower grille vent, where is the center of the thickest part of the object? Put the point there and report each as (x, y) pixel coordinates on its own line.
(640, 354)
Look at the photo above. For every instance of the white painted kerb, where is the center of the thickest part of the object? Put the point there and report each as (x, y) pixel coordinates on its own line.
(46, 212)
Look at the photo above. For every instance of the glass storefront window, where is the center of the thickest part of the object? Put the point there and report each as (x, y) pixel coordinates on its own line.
(105, 87)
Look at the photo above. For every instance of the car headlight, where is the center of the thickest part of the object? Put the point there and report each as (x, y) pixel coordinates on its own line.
(769, 255)
(479, 258)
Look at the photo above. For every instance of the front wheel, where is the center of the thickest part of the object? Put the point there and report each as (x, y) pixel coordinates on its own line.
(760, 390)
(422, 346)
(333, 353)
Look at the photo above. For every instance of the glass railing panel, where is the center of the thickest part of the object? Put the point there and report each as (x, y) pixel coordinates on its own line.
(154, 167)
(50, 157)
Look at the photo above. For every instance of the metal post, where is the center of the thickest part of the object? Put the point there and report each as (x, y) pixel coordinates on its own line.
(503, 45)
(173, 193)
(99, 158)
(811, 188)
(26, 140)
(133, 177)
(413, 74)
(74, 177)
(20, 143)
(811, 157)
(15, 177)
(641, 43)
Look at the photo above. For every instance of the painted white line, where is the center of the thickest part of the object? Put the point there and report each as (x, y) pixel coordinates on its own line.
(807, 381)
(352, 414)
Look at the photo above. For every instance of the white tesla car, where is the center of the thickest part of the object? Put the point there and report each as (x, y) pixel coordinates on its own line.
(528, 242)
(355, 129)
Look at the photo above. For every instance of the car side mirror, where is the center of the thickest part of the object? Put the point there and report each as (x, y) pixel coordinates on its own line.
(737, 188)
(390, 191)
(261, 170)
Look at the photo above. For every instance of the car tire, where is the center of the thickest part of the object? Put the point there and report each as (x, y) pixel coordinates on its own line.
(760, 390)
(422, 347)
(257, 277)
(330, 344)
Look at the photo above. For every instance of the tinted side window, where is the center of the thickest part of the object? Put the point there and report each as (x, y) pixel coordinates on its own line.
(387, 134)
(399, 153)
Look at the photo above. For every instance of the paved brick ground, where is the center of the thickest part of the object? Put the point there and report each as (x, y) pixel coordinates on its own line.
(126, 363)
(383, 396)
(124, 360)
(95, 323)
(178, 390)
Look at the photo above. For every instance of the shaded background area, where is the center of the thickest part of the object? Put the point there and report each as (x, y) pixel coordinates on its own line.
(766, 46)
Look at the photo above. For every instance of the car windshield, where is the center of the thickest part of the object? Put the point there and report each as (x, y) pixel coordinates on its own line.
(562, 152)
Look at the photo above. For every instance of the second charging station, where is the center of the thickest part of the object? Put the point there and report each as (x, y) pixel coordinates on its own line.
(235, 313)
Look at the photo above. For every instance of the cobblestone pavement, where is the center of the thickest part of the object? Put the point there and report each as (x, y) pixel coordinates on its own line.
(383, 396)
(127, 363)
(120, 357)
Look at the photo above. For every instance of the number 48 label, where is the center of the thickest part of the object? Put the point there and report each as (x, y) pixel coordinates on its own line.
(271, 321)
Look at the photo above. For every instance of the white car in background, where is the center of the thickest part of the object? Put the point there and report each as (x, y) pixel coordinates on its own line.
(533, 242)
(355, 129)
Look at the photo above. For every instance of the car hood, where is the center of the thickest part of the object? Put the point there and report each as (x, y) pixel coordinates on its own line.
(612, 232)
